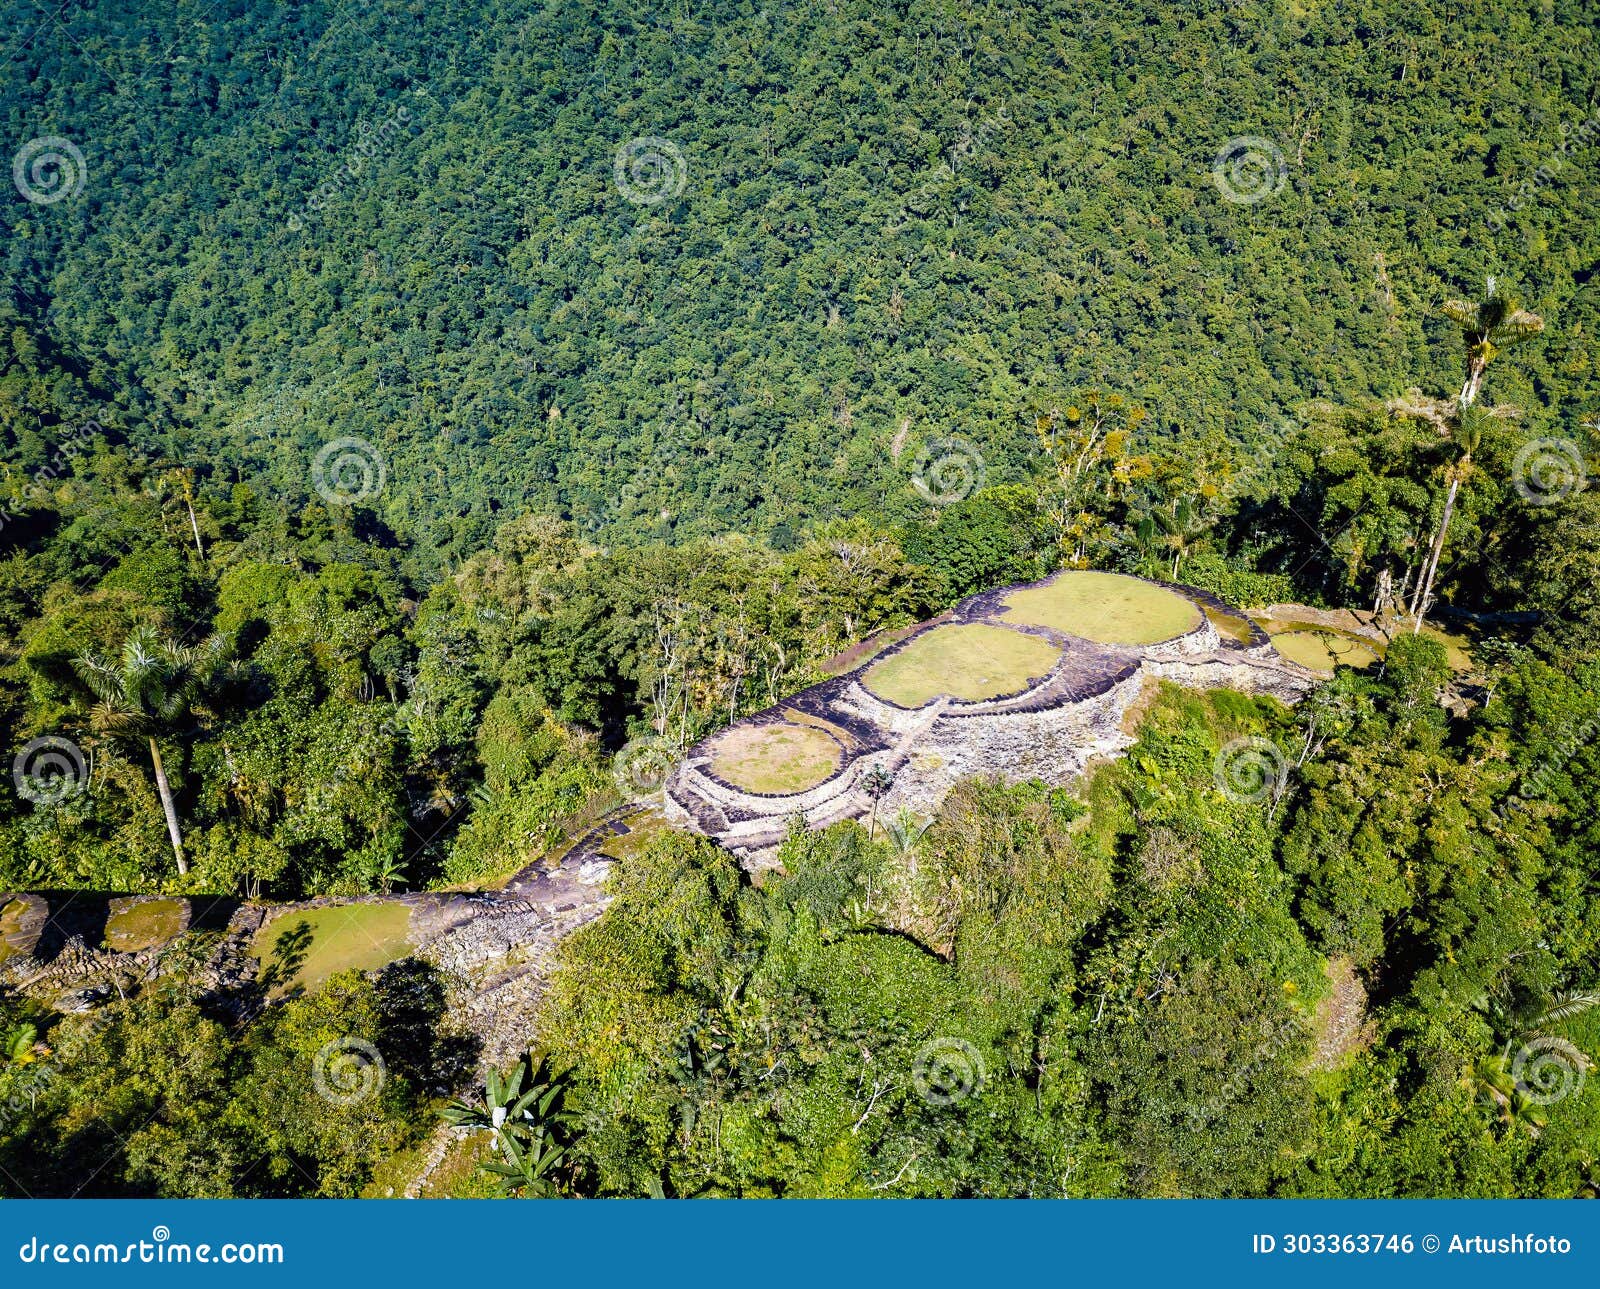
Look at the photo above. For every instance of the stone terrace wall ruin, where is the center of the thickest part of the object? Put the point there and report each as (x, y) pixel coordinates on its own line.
(1050, 731)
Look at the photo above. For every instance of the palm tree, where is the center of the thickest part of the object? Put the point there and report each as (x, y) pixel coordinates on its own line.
(1466, 428)
(905, 831)
(1489, 327)
(144, 693)
(875, 783)
(20, 1044)
(1513, 1020)
(1182, 527)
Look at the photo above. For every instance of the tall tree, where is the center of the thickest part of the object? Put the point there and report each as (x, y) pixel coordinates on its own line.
(146, 692)
(1489, 327)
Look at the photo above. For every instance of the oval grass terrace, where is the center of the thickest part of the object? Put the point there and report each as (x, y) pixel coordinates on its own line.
(970, 662)
(1106, 608)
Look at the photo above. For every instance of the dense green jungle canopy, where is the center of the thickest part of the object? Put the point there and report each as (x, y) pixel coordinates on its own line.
(405, 406)
(400, 222)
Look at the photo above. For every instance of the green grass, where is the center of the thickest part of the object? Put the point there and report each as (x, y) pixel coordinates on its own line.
(970, 662)
(644, 827)
(775, 758)
(144, 925)
(1457, 647)
(1322, 648)
(301, 949)
(1228, 625)
(1105, 607)
(11, 915)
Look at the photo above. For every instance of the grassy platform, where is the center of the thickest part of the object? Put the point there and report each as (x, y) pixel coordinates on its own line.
(1321, 649)
(1105, 607)
(302, 948)
(144, 925)
(11, 933)
(1229, 625)
(969, 662)
(775, 758)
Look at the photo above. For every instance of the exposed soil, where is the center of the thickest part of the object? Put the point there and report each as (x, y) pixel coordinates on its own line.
(1342, 1026)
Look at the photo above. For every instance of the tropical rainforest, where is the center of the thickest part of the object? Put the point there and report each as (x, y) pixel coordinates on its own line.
(404, 406)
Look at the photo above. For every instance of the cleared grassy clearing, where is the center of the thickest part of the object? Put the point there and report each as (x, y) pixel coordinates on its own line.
(143, 925)
(775, 758)
(301, 949)
(1104, 607)
(1322, 649)
(969, 662)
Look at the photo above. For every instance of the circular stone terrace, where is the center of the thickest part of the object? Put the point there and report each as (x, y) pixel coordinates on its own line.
(1107, 608)
(1041, 651)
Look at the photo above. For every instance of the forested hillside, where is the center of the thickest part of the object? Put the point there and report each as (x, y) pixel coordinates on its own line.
(402, 223)
(408, 411)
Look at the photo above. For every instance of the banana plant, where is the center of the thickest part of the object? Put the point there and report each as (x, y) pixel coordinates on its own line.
(20, 1044)
(528, 1128)
(528, 1167)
